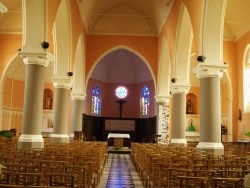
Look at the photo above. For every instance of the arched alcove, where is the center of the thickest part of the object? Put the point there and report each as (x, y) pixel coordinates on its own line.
(47, 99)
(191, 104)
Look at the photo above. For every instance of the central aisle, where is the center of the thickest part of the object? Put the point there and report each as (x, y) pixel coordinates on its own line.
(119, 172)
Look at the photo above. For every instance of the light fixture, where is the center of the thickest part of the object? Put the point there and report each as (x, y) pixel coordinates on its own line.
(70, 73)
(173, 80)
(201, 58)
(45, 45)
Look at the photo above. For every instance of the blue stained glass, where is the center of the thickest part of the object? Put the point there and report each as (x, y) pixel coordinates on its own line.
(145, 101)
(96, 100)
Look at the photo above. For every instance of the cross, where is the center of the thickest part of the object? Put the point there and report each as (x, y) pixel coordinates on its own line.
(120, 106)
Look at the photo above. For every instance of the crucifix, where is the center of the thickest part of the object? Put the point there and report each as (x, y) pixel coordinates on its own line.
(120, 106)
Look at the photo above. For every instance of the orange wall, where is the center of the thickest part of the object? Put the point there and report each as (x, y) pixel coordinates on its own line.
(8, 48)
(109, 106)
(13, 93)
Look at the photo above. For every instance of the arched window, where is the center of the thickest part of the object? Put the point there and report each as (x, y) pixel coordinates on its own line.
(145, 101)
(247, 82)
(96, 100)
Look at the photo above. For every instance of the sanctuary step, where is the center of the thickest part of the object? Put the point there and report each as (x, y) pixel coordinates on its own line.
(118, 150)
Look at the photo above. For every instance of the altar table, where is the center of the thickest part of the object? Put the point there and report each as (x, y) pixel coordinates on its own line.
(118, 138)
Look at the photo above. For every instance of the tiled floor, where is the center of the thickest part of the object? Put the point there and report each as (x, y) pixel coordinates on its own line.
(119, 172)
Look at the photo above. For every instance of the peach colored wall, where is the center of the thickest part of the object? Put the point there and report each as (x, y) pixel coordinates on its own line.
(110, 108)
(8, 48)
(7, 92)
(13, 93)
(97, 45)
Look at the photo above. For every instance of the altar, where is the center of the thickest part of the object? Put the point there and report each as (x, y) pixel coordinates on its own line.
(118, 138)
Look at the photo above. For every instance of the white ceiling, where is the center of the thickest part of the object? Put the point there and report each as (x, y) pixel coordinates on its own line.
(124, 17)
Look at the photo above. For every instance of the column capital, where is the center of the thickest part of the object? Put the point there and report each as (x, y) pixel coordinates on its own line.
(78, 96)
(162, 98)
(203, 70)
(62, 83)
(38, 58)
(179, 88)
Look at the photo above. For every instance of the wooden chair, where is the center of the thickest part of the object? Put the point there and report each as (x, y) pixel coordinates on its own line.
(194, 182)
(61, 179)
(218, 182)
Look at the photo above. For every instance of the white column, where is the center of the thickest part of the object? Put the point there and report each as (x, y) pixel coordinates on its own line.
(179, 114)
(77, 105)
(33, 100)
(210, 113)
(60, 118)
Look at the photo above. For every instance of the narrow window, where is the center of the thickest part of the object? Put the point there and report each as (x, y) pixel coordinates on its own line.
(96, 100)
(145, 101)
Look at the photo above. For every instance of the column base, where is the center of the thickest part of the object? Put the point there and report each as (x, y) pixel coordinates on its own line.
(71, 136)
(179, 142)
(59, 138)
(216, 148)
(28, 142)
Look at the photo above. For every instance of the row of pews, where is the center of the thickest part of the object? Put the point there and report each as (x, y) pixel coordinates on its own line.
(183, 166)
(74, 164)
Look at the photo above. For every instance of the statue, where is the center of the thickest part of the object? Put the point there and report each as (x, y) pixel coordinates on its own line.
(48, 101)
(189, 107)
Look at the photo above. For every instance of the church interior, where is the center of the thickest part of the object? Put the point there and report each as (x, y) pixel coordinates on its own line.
(124, 93)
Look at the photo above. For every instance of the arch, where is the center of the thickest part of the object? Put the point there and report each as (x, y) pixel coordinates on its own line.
(47, 99)
(79, 68)
(15, 63)
(212, 31)
(62, 41)
(246, 91)
(191, 107)
(163, 76)
(117, 48)
(184, 39)
(230, 108)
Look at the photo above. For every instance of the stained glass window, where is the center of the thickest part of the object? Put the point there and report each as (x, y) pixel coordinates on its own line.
(145, 101)
(121, 92)
(96, 100)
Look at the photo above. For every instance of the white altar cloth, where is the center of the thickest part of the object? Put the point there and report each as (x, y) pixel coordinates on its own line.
(118, 135)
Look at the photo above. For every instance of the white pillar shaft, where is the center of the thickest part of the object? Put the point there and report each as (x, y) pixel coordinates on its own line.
(210, 117)
(33, 99)
(76, 115)
(179, 116)
(60, 124)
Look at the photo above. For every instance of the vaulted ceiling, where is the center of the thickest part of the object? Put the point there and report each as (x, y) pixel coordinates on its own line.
(124, 17)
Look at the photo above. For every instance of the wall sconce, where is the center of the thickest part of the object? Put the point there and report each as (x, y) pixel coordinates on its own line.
(173, 80)
(70, 73)
(201, 58)
(45, 45)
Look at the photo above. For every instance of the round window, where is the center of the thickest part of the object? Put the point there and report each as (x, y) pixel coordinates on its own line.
(121, 92)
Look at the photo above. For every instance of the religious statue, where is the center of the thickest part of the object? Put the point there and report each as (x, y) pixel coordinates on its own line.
(189, 107)
(48, 101)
